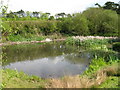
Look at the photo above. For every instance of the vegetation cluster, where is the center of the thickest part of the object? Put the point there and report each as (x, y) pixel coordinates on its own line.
(99, 21)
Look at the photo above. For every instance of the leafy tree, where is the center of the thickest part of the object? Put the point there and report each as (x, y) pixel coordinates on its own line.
(44, 16)
(77, 25)
(11, 15)
(102, 22)
(56, 16)
(51, 18)
(69, 15)
(60, 15)
(36, 14)
(3, 8)
(47, 14)
(111, 6)
(28, 13)
(21, 13)
(98, 5)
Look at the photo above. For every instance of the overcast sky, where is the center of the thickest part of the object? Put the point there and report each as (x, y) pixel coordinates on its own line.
(54, 6)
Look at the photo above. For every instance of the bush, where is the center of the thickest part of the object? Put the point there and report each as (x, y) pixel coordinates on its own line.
(102, 22)
(77, 25)
(27, 29)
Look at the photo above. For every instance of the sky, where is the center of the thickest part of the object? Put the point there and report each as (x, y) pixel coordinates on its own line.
(53, 6)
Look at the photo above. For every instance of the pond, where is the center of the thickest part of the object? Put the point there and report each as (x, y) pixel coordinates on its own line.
(48, 60)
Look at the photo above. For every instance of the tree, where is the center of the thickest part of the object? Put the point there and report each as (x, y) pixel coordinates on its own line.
(77, 25)
(47, 14)
(57, 16)
(3, 8)
(61, 15)
(11, 15)
(111, 6)
(36, 14)
(21, 13)
(98, 5)
(102, 22)
(69, 15)
(51, 18)
(28, 13)
(44, 16)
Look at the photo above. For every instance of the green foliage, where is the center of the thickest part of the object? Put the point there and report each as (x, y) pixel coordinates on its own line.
(15, 79)
(70, 40)
(95, 65)
(18, 30)
(111, 82)
(77, 25)
(98, 63)
(93, 42)
(16, 38)
(102, 22)
(112, 6)
(93, 21)
(51, 18)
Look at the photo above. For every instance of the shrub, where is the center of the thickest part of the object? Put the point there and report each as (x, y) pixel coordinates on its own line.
(77, 25)
(27, 29)
(102, 22)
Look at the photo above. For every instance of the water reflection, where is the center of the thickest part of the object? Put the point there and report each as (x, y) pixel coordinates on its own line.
(48, 60)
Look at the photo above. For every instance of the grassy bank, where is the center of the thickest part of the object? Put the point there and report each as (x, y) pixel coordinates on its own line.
(103, 76)
(15, 79)
(102, 73)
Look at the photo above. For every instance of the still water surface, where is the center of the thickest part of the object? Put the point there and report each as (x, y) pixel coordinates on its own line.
(46, 60)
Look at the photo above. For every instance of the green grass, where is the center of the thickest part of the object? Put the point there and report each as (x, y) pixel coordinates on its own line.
(111, 82)
(95, 65)
(20, 38)
(15, 79)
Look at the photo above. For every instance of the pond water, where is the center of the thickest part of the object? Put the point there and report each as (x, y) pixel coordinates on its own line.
(49, 60)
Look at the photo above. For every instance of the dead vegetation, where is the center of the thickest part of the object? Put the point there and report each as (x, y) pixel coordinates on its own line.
(84, 81)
